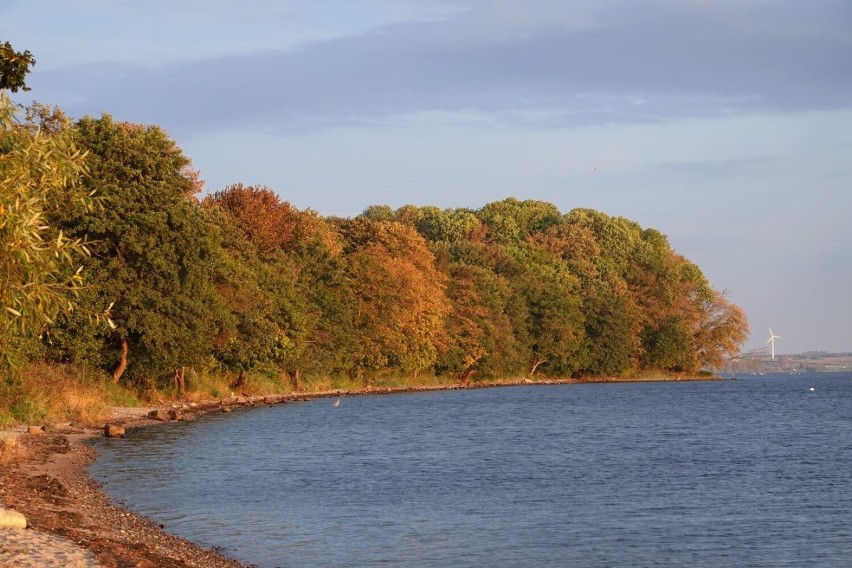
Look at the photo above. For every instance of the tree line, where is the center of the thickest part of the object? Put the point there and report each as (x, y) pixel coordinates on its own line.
(112, 259)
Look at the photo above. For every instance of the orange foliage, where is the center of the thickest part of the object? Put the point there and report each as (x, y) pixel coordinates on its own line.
(258, 213)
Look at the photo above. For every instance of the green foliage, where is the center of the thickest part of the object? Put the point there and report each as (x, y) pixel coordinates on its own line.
(40, 274)
(480, 339)
(326, 344)
(512, 220)
(671, 347)
(378, 213)
(554, 320)
(14, 68)
(611, 330)
(152, 252)
(451, 225)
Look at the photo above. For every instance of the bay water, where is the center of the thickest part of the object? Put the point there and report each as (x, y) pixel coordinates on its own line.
(752, 472)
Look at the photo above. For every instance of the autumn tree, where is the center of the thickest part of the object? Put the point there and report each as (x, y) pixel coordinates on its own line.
(720, 330)
(480, 338)
(401, 304)
(258, 214)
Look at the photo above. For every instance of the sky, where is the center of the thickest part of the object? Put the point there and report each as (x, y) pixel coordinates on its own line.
(724, 124)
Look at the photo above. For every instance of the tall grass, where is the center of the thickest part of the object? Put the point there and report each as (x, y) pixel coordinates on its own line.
(216, 384)
(57, 393)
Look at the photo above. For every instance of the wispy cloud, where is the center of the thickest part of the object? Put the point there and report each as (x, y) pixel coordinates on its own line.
(620, 62)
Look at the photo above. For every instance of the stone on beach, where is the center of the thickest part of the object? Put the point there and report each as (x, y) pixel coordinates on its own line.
(159, 414)
(35, 430)
(114, 431)
(175, 415)
(12, 519)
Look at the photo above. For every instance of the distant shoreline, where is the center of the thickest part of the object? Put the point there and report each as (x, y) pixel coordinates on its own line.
(48, 481)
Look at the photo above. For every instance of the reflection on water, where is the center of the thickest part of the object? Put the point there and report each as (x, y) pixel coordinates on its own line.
(754, 472)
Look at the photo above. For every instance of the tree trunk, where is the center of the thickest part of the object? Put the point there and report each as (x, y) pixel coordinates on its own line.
(295, 376)
(465, 375)
(241, 379)
(180, 381)
(122, 363)
(536, 365)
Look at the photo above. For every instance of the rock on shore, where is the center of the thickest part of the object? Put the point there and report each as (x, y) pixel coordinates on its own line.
(12, 519)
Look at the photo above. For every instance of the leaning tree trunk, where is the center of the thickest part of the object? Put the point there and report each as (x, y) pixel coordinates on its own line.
(536, 365)
(122, 362)
(465, 375)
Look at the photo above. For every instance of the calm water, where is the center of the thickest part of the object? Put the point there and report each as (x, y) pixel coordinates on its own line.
(753, 472)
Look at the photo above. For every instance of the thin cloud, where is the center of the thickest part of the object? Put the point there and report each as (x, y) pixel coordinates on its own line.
(645, 63)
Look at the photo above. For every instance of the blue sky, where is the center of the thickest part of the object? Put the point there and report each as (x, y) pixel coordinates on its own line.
(725, 124)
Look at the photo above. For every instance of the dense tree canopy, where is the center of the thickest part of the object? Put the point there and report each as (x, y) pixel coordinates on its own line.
(516, 288)
(153, 251)
(244, 282)
(399, 295)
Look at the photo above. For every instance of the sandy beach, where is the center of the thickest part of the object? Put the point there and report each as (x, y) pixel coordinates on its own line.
(70, 522)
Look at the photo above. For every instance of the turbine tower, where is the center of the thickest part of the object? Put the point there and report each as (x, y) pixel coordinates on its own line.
(771, 341)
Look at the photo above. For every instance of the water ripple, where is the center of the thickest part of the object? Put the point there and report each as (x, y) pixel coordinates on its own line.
(755, 472)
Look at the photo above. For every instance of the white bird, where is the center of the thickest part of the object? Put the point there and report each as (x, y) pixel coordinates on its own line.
(812, 389)
(336, 403)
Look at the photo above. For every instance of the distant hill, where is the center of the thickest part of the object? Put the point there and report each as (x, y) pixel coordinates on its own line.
(759, 361)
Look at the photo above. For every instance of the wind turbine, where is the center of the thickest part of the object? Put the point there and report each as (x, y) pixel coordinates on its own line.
(771, 341)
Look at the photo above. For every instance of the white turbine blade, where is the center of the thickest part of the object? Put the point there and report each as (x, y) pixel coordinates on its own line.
(770, 339)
